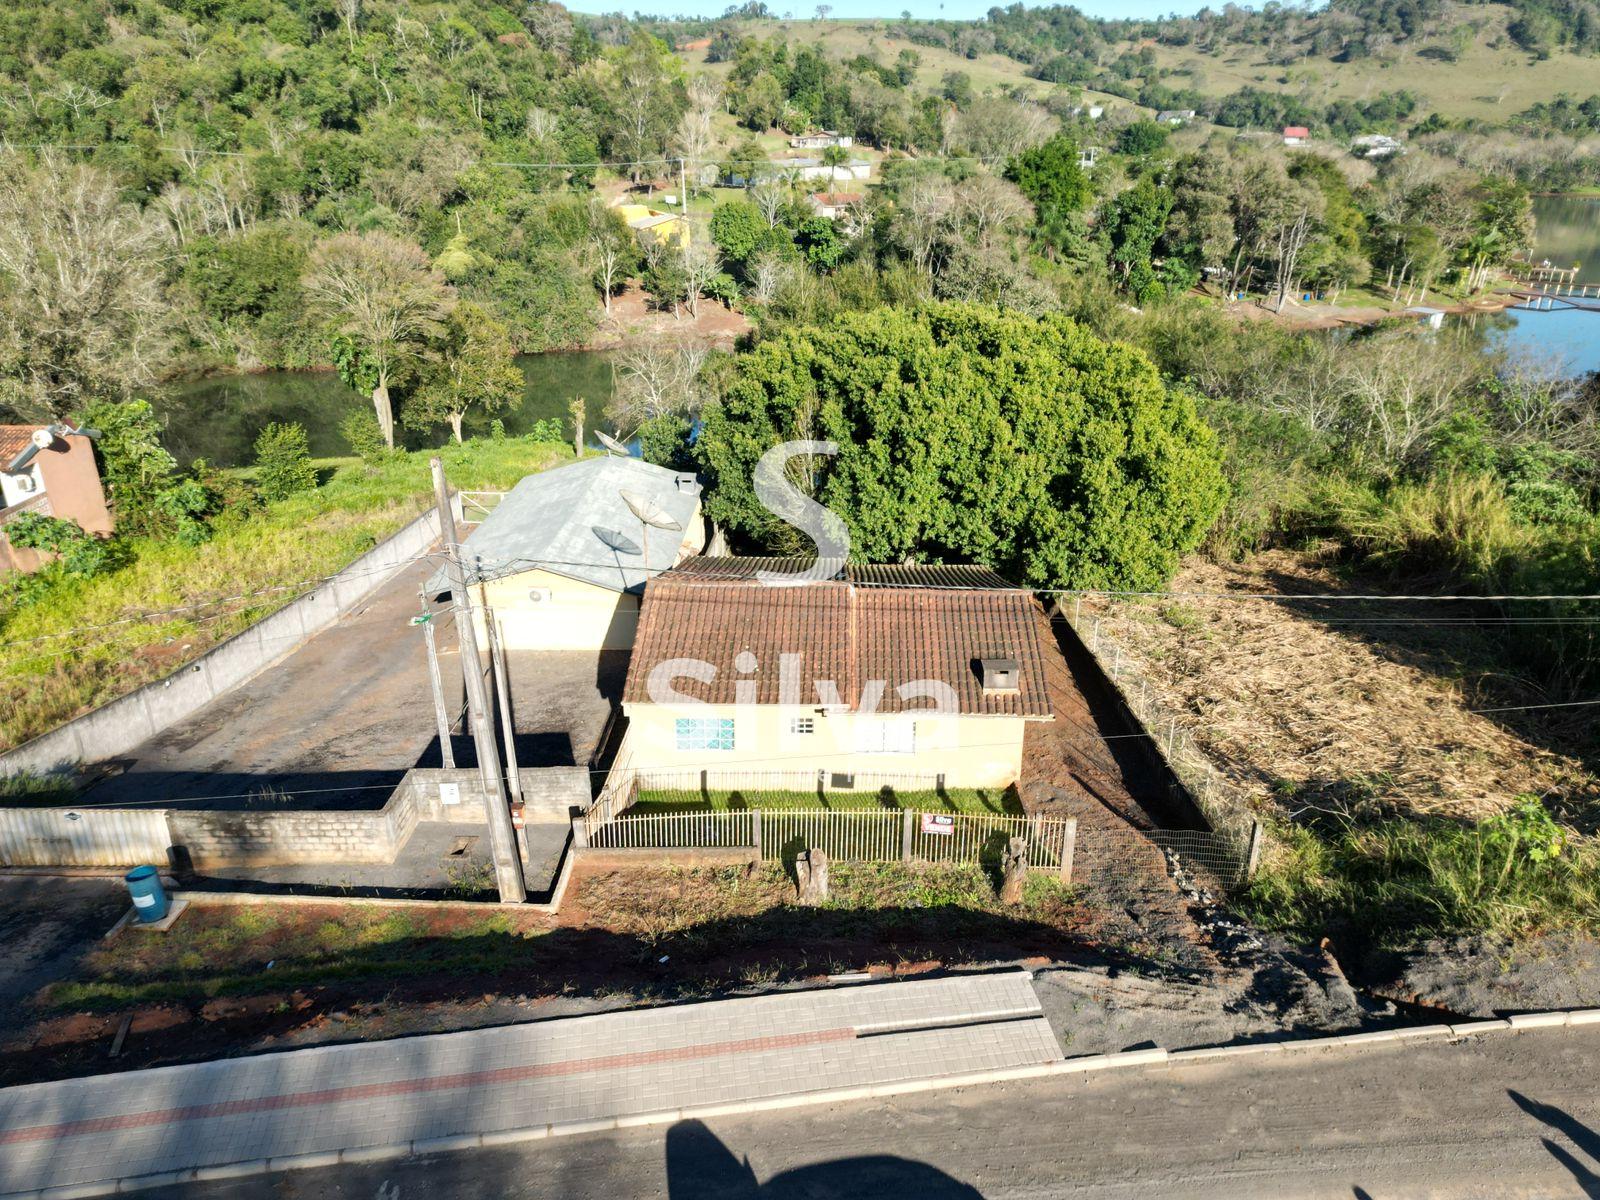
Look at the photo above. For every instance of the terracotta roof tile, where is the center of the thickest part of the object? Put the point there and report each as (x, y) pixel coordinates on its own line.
(850, 633)
(14, 440)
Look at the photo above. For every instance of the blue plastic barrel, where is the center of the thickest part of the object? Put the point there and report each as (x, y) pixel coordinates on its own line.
(149, 897)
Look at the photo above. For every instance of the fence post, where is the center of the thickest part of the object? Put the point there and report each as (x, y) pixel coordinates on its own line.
(908, 824)
(1069, 846)
(755, 831)
(580, 832)
(1254, 857)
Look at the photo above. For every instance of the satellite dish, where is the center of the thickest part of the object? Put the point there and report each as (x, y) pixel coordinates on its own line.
(616, 540)
(611, 444)
(649, 512)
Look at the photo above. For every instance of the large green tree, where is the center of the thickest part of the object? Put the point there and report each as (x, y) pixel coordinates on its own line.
(967, 434)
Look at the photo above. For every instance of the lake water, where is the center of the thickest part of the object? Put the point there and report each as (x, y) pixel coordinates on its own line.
(218, 419)
(1562, 340)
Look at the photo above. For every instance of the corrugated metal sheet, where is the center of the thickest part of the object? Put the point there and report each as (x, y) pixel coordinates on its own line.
(90, 837)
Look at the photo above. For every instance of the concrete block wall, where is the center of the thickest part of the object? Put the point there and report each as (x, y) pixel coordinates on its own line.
(235, 839)
(119, 726)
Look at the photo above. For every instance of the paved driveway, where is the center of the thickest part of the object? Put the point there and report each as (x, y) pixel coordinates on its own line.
(334, 725)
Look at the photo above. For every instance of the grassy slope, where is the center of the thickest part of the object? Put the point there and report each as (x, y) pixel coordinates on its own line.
(52, 673)
(846, 39)
(1490, 81)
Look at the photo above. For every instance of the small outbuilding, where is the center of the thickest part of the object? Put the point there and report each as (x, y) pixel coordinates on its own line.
(563, 559)
(1296, 135)
(49, 470)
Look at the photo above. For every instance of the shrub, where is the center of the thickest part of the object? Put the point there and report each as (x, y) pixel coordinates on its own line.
(77, 553)
(546, 429)
(283, 461)
(970, 435)
(1391, 880)
(361, 433)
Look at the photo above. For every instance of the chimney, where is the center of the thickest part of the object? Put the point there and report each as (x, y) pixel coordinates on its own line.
(999, 676)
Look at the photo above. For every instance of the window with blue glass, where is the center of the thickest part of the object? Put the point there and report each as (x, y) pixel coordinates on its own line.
(705, 733)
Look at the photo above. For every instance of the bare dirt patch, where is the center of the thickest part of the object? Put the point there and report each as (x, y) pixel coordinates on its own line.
(632, 315)
(1324, 705)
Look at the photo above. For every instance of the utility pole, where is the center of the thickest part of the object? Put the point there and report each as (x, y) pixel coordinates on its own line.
(502, 837)
(447, 754)
(683, 193)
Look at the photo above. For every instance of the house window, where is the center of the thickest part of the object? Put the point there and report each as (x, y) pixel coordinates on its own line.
(885, 737)
(705, 733)
(804, 725)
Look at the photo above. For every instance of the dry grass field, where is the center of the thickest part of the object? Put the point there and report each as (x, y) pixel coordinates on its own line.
(1310, 706)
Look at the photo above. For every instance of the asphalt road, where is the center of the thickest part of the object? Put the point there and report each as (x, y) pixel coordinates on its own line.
(1513, 1115)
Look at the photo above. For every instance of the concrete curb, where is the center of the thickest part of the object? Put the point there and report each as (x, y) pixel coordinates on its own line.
(1155, 1056)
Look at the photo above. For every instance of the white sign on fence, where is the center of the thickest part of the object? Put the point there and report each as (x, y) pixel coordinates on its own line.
(449, 793)
(938, 823)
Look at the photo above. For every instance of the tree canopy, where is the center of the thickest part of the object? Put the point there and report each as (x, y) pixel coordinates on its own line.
(971, 435)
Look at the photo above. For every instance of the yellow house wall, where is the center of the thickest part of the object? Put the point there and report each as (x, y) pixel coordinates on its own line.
(578, 615)
(978, 752)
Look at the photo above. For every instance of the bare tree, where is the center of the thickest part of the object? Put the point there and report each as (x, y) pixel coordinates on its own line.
(349, 13)
(769, 196)
(924, 220)
(989, 205)
(82, 313)
(700, 266)
(766, 270)
(609, 248)
(656, 377)
(382, 293)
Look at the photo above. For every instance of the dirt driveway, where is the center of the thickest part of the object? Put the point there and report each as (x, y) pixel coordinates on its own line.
(47, 925)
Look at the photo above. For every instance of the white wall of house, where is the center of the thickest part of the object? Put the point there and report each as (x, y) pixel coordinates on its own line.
(969, 751)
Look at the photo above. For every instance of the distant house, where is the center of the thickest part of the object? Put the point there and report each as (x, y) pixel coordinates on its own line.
(834, 205)
(563, 559)
(653, 225)
(1093, 111)
(1376, 145)
(1175, 116)
(49, 470)
(1296, 135)
(811, 169)
(821, 140)
(1088, 156)
(843, 675)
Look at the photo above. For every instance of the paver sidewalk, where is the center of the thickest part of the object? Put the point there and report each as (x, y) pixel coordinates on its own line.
(339, 1098)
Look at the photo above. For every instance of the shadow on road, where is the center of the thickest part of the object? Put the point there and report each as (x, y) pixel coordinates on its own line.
(700, 1167)
(1580, 1135)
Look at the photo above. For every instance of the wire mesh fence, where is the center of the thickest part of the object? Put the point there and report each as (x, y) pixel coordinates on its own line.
(1230, 847)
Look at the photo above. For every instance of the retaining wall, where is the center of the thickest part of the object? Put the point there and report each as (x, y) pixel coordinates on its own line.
(119, 726)
(208, 838)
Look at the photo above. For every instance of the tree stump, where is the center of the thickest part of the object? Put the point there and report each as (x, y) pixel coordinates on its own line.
(811, 873)
(1016, 870)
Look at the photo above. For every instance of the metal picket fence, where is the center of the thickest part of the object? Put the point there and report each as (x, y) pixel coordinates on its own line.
(870, 835)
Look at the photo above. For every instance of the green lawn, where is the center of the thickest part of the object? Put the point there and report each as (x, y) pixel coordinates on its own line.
(954, 800)
(89, 640)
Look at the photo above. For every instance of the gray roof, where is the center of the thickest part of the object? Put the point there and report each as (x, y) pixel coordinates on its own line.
(555, 521)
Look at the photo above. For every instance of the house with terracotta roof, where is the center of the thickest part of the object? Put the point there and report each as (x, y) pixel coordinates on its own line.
(834, 205)
(1296, 135)
(928, 670)
(49, 470)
